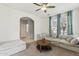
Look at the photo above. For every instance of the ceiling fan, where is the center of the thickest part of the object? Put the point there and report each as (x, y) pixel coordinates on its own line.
(43, 6)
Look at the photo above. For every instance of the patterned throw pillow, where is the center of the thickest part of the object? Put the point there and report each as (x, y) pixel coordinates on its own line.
(74, 41)
(77, 38)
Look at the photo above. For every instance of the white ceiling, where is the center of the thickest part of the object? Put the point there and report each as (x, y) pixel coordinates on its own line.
(30, 8)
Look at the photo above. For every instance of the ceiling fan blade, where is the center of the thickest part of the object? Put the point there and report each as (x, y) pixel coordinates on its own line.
(44, 3)
(51, 6)
(37, 4)
(38, 9)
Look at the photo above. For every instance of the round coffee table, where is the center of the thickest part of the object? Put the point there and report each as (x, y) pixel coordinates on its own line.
(43, 45)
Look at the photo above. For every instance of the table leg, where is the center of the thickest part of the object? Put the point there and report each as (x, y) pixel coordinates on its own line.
(27, 45)
(40, 48)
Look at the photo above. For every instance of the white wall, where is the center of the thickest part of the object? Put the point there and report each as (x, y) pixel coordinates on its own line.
(76, 22)
(44, 24)
(10, 23)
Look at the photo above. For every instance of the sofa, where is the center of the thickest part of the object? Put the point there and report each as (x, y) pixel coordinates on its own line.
(8, 48)
(63, 44)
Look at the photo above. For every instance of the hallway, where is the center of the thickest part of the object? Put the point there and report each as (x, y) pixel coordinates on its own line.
(26, 29)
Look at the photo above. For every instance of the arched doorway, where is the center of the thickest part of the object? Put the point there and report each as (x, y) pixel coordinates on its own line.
(26, 28)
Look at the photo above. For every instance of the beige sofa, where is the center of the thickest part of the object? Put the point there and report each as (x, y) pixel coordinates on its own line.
(64, 44)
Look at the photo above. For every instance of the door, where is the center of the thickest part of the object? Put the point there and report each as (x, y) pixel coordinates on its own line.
(26, 28)
(23, 29)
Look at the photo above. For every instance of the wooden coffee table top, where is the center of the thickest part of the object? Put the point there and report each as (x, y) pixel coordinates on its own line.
(43, 42)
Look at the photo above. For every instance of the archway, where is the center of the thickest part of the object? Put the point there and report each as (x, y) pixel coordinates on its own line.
(26, 28)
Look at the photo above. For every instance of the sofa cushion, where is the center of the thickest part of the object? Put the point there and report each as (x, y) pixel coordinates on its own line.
(59, 40)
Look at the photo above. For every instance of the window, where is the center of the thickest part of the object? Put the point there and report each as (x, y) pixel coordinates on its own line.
(54, 25)
(63, 24)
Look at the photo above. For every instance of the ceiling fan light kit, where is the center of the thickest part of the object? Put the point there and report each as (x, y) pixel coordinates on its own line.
(43, 6)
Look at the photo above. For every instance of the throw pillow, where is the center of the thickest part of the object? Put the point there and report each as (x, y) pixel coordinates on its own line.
(74, 41)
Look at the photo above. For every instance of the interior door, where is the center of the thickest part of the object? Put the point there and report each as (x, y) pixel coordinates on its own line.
(23, 30)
